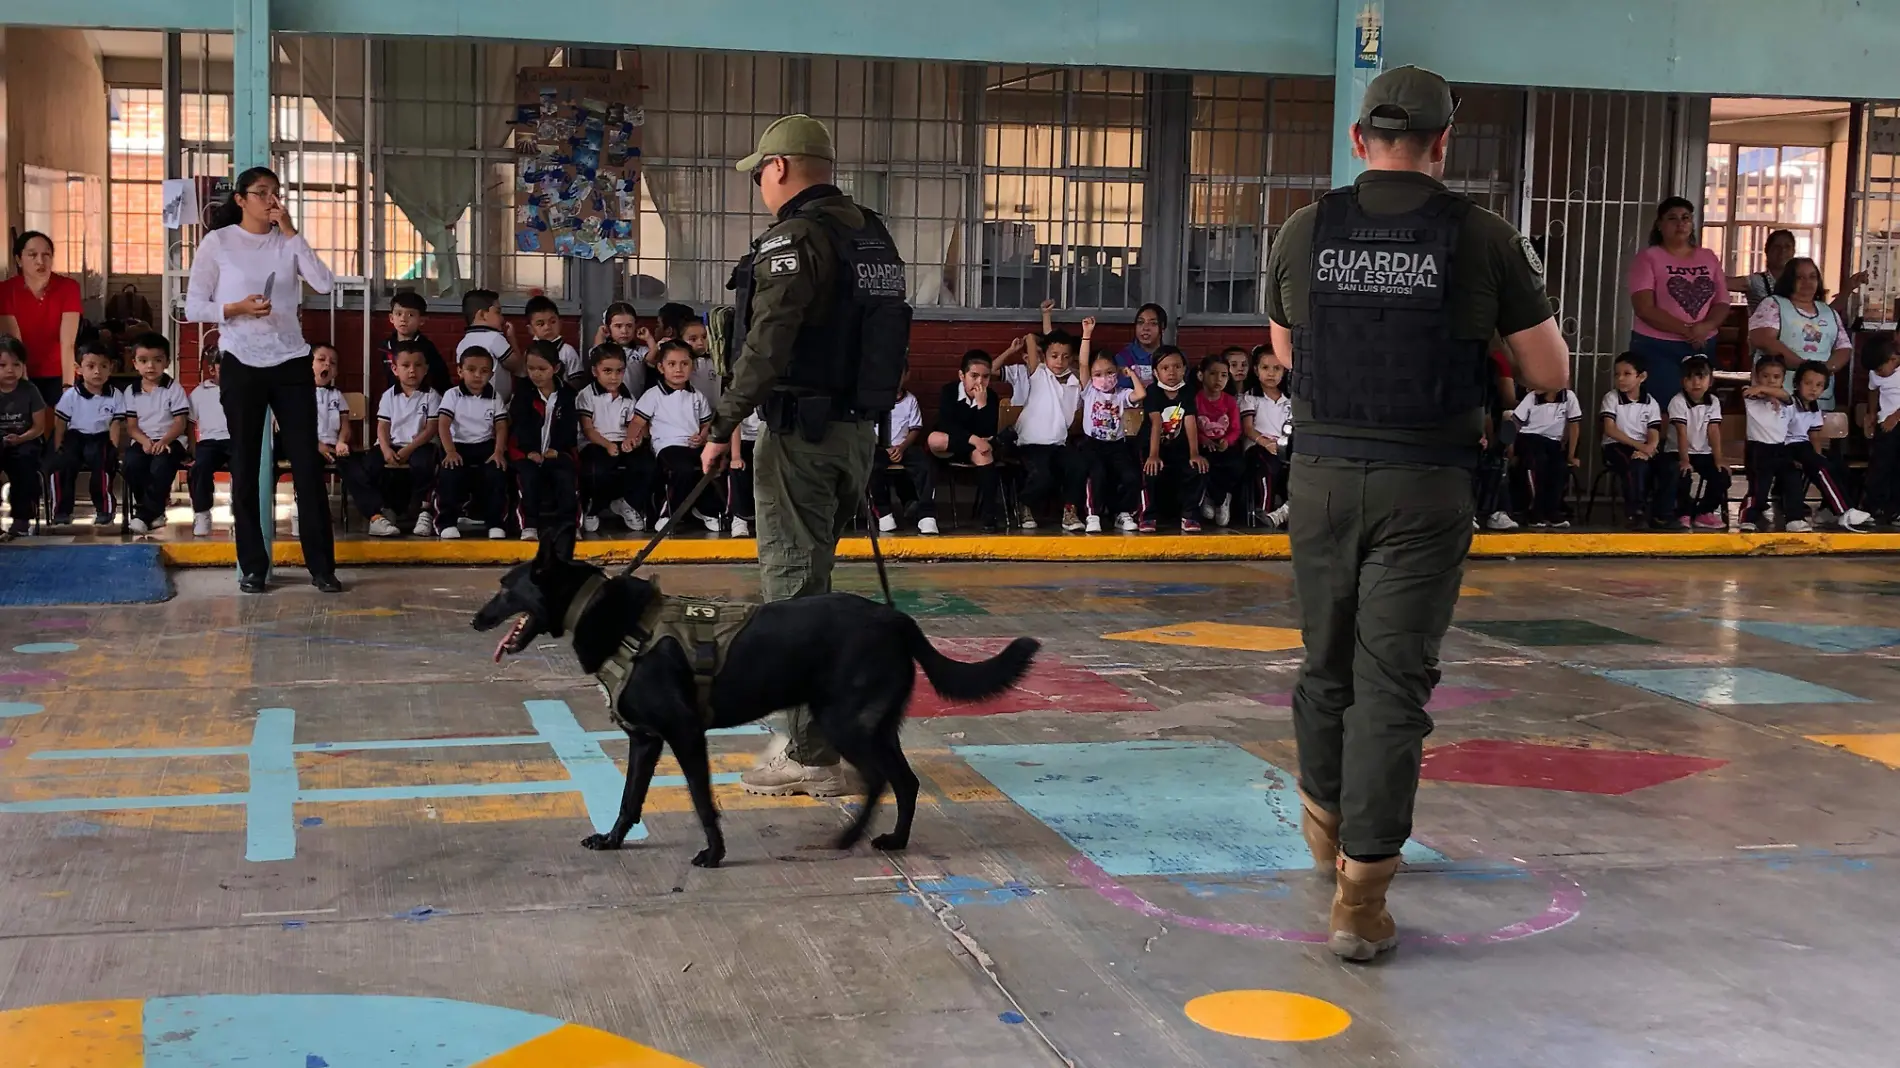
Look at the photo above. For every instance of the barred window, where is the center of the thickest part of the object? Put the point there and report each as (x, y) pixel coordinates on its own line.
(136, 140)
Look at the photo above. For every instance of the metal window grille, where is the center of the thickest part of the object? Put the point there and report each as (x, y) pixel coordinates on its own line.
(69, 207)
(136, 141)
(1754, 190)
(1875, 210)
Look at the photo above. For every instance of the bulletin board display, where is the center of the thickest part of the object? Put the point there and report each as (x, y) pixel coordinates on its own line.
(577, 161)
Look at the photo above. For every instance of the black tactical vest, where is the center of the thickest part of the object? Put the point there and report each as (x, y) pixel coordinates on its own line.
(858, 356)
(1377, 351)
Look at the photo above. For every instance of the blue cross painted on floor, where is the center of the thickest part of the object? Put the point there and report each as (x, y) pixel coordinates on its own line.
(1716, 687)
(1821, 637)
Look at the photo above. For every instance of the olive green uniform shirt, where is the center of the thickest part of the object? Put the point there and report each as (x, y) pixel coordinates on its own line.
(1497, 287)
(794, 279)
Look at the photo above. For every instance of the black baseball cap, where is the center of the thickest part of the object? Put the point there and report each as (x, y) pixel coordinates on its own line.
(1408, 98)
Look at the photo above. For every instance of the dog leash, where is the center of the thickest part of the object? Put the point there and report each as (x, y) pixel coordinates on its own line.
(877, 554)
(685, 508)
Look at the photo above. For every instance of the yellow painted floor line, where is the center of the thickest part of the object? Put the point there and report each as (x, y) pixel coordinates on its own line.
(475, 553)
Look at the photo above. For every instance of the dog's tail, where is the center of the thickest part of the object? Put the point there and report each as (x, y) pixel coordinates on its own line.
(961, 681)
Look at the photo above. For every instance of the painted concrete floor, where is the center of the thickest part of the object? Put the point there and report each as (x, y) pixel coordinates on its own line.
(1658, 829)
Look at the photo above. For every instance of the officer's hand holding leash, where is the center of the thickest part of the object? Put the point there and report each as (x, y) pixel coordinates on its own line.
(713, 457)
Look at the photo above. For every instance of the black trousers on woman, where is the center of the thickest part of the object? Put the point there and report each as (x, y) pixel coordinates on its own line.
(251, 395)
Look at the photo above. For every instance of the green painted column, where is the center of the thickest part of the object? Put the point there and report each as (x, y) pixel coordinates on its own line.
(250, 147)
(1358, 58)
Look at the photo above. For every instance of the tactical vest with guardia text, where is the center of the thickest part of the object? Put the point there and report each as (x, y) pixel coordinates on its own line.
(1377, 352)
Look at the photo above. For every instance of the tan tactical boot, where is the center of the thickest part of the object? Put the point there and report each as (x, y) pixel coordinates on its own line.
(1361, 927)
(1320, 828)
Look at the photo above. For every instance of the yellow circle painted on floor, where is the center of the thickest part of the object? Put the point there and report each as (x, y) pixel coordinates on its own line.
(1268, 1015)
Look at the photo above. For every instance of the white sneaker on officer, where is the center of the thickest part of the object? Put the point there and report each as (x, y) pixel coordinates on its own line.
(1855, 520)
(530, 534)
(927, 525)
(590, 523)
(425, 526)
(451, 532)
(1093, 525)
(380, 527)
(201, 525)
(1501, 521)
(887, 523)
(496, 534)
(1125, 522)
(741, 528)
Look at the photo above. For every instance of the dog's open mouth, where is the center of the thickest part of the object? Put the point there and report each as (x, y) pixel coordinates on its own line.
(514, 639)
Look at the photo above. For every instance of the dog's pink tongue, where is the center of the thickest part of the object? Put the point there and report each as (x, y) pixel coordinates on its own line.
(501, 647)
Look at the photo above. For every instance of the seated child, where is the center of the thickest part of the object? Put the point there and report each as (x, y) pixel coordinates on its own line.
(545, 429)
(966, 433)
(614, 470)
(1217, 417)
(212, 453)
(405, 453)
(1765, 451)
(904, 446)
(1805, 456)
(1264, 409)
(1694, 441)
(88, 425)
(622, 327)
(1548, 426)
(677, 419)
(494, 335)
(23, 426)
(1239, 369)
(1631, 434)
(407, 310)
(157, 413)
(472, 424)
(1046, 388)
(544, 324)
(1175, 464)
(739, 504)
(705, 375)
(333, 415)
(1882, 426)
(1105, 467)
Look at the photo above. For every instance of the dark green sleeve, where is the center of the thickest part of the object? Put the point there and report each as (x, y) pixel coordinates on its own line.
(1522, 302)
(789, 284)
(1287, 262)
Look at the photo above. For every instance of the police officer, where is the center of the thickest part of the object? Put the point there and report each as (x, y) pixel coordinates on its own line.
(819, 330)
(1382, 298)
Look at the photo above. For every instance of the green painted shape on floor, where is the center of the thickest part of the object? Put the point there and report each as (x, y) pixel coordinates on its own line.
(1551, 632)
(920, 603)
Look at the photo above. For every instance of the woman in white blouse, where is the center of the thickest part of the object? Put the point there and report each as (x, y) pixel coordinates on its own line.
(247, 278)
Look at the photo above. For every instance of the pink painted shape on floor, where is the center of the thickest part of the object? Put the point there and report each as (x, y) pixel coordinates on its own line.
(1492, 762)
(62, 623)
(32, 678)
(1052, 683)
(1444, 699)
(6, 743)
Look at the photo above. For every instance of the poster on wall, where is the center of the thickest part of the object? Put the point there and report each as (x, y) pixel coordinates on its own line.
(577, 161)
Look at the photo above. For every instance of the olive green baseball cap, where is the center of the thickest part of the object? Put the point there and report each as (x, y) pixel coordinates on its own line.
(1408, 98)
(793, 135)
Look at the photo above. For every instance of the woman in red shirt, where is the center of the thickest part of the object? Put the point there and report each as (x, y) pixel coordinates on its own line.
(42, 310)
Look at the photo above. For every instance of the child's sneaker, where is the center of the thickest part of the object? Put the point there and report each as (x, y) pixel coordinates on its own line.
(1750, 524)
(201, 525)
(380, 527)
(18, 530)
(1093, 526)
(1190, 525)
(1686, 523)
(887, 523)
(296, 527)
(1147, 526)
(65, 520)
(1226, 510)
(425, 526)
(136, 526)
(1025, 518)
(496, 534)
(1125, 523)
(590, 523)
(634, 520)
(1710, 521)
(1560, 524)
(1798, 526)
(1501, 521)
(1072, 522)
(451, 532)
(1276, 519)
(103, 519)
(710, 522)
(743, 529)
(1856, 521)
(927, 525)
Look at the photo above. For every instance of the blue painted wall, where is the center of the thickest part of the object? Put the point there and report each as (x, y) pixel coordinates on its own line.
(1689, 46)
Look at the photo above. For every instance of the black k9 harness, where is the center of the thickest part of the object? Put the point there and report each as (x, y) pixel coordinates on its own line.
(704, 627)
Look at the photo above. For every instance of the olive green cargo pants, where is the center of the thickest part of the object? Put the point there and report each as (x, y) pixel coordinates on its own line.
(805, 494)
(1378, 555)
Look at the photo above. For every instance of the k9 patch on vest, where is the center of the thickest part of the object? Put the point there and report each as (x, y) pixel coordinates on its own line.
(782, 263)
(1365, 270)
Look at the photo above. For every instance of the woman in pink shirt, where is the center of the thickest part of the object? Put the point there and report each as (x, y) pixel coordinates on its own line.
(1679, 292)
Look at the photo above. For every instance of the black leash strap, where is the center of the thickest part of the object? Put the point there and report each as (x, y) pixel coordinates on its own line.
(877, 554)
(685, 508)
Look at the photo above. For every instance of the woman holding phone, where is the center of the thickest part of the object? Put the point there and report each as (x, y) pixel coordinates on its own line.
(247, 278)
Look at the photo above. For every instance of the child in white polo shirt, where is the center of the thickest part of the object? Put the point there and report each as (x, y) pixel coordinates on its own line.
(1882, 425)
(1694, 442)
(705, 373)
(614, 471)
(333, 416)
(1765, 452)
(1632, 433)
(88, 424)
(404, 457)
(1548, 426)
(1264, 410)
(1807, 463)
(157, 414)
(213, 450)
(1046, 388)
(1110, 480)
(544, 324)
(674, 418)
(472, 424)
(904, 450)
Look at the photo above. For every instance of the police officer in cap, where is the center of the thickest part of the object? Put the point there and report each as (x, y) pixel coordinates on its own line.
(819, 336)
(1383, 297)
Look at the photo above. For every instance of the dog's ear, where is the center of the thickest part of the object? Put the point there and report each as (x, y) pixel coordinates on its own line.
(549, 551)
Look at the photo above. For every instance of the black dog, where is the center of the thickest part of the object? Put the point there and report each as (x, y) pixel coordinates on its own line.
(850, 659)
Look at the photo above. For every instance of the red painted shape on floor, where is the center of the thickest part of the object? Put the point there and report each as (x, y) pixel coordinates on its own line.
(1052, 683)
(1490, 762)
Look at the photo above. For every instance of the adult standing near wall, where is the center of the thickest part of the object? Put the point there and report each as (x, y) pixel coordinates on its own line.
(1383, 299)
(247, 278)
(1679, 293)
(1796, 324)
(41, 309)
(820, 323)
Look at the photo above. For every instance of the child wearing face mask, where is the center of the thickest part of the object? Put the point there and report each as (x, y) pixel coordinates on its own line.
(1106, 478)
(1175, 466)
